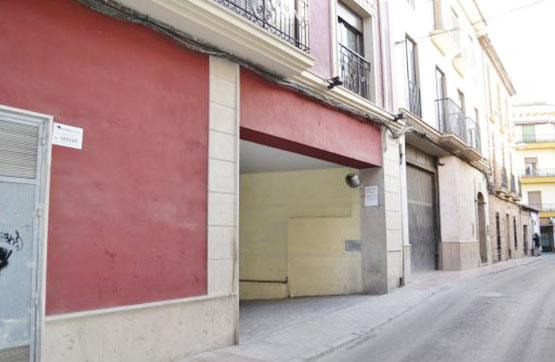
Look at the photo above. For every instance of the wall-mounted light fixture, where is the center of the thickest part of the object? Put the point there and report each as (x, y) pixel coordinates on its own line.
(335, 81)
(352, 180)
(398, 116)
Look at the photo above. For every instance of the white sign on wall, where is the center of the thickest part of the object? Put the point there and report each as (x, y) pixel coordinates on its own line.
(371, 195)
(67, 136)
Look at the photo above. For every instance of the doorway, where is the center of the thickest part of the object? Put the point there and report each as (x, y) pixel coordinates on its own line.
(508, 235)
(24, 166)
(422, 225)
(482, 233)
(300, 226)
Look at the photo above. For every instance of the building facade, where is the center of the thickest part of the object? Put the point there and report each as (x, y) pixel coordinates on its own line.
(140, 135)
(162, 160)
(535, 132)
(440, 90)
(453, 89)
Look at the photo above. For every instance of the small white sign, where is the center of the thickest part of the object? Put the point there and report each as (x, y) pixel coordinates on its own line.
(371, 195)
(67, 136)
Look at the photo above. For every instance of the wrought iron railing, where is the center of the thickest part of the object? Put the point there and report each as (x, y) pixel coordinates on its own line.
(474, 134)
(504, 178)
(543, 206)
(451, 118)
(538, 172)
(414, 99)
(355, 72)
(536, 138)
(288, 19)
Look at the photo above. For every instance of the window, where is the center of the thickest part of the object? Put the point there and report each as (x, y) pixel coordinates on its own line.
(535, 199)
(529, 133)
(414, 88)
(440, 98)
(530, 166)
(354, 69)
(454, 28)
(350, 30)
(461, 102)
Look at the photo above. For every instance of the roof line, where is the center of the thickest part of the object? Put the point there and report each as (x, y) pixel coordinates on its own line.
(486, 44)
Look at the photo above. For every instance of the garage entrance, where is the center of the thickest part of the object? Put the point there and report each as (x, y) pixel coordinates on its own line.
(299, 226)
(421, 197)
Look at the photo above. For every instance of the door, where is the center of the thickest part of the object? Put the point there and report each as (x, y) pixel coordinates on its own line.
(422, 235)
(20, 194)
(482, 233)
(508, 235)
(440, 100)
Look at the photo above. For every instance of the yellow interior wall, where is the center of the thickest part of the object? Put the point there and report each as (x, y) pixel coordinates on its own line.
(293, 227)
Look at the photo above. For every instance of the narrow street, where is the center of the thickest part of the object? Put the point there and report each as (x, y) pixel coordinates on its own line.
(506, 316)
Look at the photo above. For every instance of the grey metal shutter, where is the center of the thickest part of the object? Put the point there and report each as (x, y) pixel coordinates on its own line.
(18, 149)
(17, 354)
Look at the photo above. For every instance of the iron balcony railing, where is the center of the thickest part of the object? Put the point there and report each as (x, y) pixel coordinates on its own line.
(543, 206)
(474, 134)
(536, 138)
(451, 118)
(504, 178)
(538, 172)
(414, 99)
(513, 184)
(288, 19)
(355, 72)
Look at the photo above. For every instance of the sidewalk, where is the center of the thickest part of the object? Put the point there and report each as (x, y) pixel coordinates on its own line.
(304, 329)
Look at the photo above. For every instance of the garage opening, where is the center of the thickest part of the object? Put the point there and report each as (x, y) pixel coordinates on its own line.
(299, 226)
(421, 197)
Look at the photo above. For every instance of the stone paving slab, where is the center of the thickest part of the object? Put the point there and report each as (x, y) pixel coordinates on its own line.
(304, 329)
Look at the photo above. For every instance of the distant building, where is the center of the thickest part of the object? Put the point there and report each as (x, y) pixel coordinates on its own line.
(535, 131)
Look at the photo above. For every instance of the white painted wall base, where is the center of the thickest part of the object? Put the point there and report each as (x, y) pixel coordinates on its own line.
(167, 332)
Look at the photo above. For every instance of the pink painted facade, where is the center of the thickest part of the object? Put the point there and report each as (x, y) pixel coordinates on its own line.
(129, 216)
(320, 38)
(123, 229)
(281, 118)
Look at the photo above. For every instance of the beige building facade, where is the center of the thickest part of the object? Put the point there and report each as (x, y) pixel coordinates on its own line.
(535, 132)
(453, 90)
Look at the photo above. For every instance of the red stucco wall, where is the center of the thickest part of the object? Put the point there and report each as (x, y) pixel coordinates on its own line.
(281, 118)
(128, 212)
(320, 37)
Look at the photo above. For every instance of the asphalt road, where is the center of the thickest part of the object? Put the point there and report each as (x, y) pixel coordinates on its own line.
(503, 317)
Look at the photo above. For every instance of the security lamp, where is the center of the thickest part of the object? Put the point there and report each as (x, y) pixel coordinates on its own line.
(352, 180)
(398, 117)
(335, 81)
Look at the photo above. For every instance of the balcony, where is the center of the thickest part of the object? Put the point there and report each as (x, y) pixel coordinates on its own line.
(354, 71)
(415, 106)
(536, 139)
(286, 19)
(474, 140)
(501, 180)
(543, 207)
(504, 178)
(273, 34)
(450, 118)
(538, 172)
(515, 194)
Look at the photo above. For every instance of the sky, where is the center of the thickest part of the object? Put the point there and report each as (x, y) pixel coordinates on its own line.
(523, 34)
